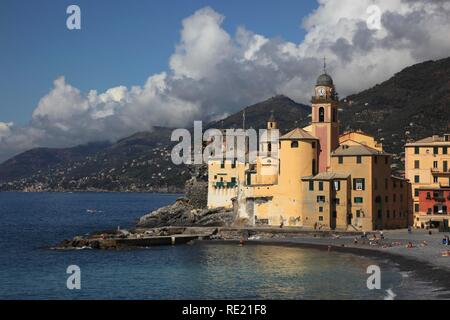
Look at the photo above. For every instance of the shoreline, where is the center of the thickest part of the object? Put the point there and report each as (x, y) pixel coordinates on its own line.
(437, 276)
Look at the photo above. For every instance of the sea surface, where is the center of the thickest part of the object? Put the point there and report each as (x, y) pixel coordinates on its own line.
(33, 222)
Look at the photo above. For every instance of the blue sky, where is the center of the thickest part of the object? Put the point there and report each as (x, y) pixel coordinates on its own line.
(136, 64)
(121, 42)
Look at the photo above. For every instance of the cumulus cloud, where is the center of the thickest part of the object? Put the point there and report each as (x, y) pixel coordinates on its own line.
(214, 73)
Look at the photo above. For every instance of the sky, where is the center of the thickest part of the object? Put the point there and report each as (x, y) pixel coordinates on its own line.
(136, 64)
(120, 42)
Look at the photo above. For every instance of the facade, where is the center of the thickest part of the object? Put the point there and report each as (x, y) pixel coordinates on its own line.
(427, 166)
(314, 178)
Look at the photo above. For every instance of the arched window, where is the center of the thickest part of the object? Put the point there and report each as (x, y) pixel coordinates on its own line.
(321, 114)
(294, 144)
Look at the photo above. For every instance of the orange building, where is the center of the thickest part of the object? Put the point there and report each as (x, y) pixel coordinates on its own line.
(427, 166)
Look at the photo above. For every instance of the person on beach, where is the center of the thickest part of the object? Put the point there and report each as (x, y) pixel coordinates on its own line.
(445, 241)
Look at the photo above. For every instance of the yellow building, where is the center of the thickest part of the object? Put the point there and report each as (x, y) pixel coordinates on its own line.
(315, 178)
(427, 166)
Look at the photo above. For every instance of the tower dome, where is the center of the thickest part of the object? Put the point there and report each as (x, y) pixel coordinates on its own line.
(324, 80)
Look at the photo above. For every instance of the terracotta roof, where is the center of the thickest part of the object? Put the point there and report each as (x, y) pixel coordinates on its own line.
(357, 150)
(298, 134)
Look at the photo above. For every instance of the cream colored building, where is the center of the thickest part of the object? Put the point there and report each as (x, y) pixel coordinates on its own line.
(427, 166)
(315, 178)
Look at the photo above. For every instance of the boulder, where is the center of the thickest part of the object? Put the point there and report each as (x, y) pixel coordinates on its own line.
(182, 213)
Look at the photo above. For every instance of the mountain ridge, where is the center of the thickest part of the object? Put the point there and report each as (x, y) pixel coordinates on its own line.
(412, 104)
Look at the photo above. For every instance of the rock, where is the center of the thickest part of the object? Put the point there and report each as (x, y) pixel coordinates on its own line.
(182, 213)
(196, 192)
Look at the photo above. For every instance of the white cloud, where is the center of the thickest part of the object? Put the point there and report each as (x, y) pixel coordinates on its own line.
(213, 73)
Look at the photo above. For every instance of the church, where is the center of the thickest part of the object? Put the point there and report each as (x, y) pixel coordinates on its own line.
(314, 177)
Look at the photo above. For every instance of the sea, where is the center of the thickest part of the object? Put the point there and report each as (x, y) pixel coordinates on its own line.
(32, 223)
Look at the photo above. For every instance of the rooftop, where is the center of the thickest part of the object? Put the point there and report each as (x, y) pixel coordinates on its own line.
(433, 140)
(298, 134)
(357, 150)
(327, 176)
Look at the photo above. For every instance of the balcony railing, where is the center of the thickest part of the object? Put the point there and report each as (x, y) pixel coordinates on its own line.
(222, 184)
(437, 171)
(439, 199)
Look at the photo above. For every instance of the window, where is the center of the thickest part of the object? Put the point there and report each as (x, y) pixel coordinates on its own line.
(387, 214)
(358, 159)
(320, 199)
(435, 180)
(416, 192)
(313, 145)
(313, 167)
(233, 164)
(393, 214)
(386, 199)
(222, 164)
(416, 179)
(416, 164)
(444, 150)
(416, 150)
(311, 185)
(294, 144)
(359, 184)
(233, 179)
(341, 159)
(320, 185)
(320, 218)
(435, 150)
(358, 213)
(337, 185)
(379, 214)
(358, 200)
(320, 209)
(445, 166)
(435, 164)
(321, 114)
(269, 147)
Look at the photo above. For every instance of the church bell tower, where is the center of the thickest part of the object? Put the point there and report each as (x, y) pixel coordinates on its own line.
(325, 125)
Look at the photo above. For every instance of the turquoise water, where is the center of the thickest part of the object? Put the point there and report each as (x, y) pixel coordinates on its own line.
(32, 222)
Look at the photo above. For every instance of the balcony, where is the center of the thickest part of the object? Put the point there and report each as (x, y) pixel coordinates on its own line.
(315, 99)
(219, 184)
(231, 184)
(222, 184)
(440, 172)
